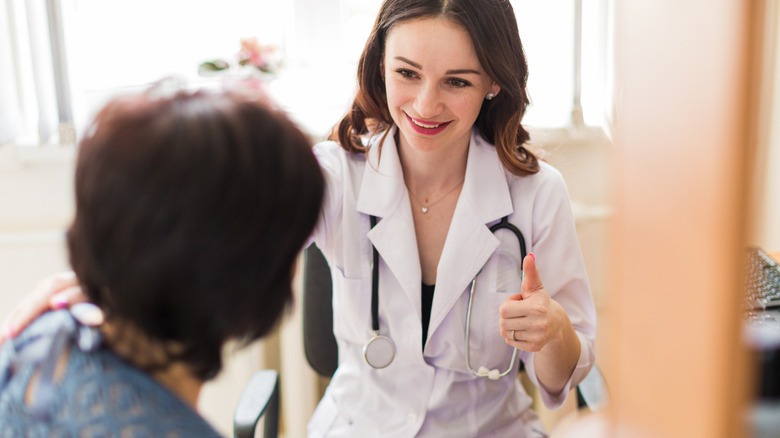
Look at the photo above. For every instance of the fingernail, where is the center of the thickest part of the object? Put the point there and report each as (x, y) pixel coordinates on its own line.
(59, 303)
(533, 256)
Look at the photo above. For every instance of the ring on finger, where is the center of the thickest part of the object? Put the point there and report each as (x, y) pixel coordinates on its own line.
(513, 336)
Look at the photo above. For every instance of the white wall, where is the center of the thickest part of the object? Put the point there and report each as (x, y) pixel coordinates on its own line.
(35, 207)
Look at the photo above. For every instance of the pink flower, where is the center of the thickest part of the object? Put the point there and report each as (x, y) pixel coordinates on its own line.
(256, 54)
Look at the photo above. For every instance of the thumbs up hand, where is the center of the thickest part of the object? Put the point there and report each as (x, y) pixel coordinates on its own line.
(532, 282)
(530, 319)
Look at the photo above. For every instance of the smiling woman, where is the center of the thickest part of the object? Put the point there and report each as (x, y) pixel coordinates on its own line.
(431, 156)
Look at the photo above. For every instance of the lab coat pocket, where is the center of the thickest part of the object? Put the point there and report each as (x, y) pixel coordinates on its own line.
(509, 273)
(351, 307)
(502, 279)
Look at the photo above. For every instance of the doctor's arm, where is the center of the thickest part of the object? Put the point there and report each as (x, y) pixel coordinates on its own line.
(532, 321)
(55, 292)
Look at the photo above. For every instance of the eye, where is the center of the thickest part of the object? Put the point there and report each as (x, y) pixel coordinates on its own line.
(406, 73)
(458, 83)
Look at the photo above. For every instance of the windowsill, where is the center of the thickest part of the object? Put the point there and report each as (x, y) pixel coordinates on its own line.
(14, 157)
(35, 189)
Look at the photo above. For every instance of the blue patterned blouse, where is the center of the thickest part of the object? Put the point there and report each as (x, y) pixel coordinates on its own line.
(99, 395)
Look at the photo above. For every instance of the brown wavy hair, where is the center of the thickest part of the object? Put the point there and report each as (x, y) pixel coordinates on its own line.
(493, 30)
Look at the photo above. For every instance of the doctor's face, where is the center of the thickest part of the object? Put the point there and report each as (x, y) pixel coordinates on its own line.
(435, 83)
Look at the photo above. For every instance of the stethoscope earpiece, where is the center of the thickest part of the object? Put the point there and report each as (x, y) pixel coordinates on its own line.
(493, 374)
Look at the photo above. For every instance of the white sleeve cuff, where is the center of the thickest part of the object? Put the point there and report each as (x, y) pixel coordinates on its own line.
(584, 364)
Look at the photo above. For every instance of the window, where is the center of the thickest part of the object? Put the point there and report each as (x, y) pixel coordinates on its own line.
(111, 46)
(548, 31)
(28, 93)
(120, 45)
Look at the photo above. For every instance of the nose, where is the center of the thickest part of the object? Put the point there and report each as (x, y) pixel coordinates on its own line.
(428, 101)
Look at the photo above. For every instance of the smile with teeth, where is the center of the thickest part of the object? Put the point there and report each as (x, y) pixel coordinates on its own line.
(426, 126)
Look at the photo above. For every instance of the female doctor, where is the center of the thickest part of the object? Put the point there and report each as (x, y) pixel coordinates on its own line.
(429, 305)
(432, 313)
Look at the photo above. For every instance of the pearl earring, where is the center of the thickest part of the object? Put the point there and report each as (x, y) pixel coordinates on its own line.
(490, 96)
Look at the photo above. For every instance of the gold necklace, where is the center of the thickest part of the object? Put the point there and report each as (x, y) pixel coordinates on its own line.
(424, 208)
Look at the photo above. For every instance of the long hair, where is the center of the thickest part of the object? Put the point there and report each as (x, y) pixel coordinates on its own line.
(493, 30)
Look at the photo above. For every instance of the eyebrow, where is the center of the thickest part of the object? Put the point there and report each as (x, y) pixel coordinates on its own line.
(449, 72)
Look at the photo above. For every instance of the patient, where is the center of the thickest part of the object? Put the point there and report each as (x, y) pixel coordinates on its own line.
(190, 210)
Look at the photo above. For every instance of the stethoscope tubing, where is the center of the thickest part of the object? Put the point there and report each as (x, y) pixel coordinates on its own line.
(378, 339)
(492, 374)
(375, 286)
(505, 224)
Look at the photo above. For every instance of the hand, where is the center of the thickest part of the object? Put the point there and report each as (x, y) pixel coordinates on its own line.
(531, 319)
(56, 292)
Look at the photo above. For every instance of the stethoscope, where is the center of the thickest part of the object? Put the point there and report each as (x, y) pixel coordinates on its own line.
(379, 351)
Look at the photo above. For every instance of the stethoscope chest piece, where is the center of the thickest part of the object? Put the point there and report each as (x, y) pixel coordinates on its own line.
(379, 351)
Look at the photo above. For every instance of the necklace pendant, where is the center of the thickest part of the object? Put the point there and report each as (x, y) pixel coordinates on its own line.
(424, 209)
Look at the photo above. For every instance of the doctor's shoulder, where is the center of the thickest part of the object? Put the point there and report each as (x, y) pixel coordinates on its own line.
(334, 159)
(547, 181)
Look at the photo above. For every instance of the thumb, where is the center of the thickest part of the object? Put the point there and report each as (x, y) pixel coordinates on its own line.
(531, 279)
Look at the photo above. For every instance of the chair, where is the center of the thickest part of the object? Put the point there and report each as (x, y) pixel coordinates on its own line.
(322, 353)
(260, 399)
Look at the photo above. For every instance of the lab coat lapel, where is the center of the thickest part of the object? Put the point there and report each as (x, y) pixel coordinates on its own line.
(484, 199)
(383, 194)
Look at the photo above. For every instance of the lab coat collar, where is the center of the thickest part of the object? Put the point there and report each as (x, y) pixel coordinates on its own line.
(383, 194)
(484, 198)
(383, 186)
(485, 189)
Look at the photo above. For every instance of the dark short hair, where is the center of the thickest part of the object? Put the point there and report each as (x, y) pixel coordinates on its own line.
(493, 30)
(191, 209)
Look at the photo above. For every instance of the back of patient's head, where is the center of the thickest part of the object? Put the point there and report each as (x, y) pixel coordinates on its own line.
(190, 211)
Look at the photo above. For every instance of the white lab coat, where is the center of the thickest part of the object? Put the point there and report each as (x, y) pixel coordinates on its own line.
(433, 393)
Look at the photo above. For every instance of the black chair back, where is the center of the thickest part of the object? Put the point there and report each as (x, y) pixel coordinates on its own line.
(318, 339)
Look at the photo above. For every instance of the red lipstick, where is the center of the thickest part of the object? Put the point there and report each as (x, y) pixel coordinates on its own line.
(426, 127)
